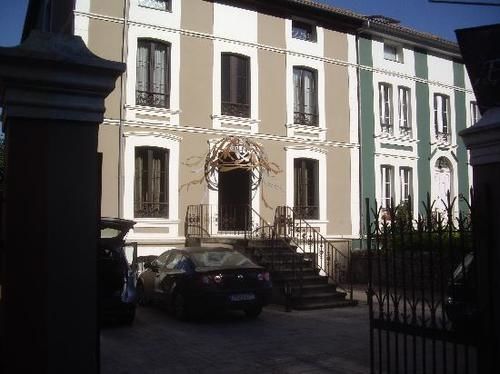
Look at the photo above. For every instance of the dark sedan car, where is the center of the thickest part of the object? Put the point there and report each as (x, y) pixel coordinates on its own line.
(461, 303)
(193, 280)
(117, 271)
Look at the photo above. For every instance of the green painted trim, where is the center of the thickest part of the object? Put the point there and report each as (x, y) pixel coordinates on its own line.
(397, 147)
(458, 75)
(462, 165)
(365, 52)
(421, 68)
(367, 121)
(424, 127)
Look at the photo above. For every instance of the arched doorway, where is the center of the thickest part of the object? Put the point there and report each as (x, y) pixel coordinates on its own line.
(234, 199)
(442, 181)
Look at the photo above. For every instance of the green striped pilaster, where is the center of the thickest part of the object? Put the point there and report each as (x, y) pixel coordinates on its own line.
(423, 126)
(461, 123)
(367, 120)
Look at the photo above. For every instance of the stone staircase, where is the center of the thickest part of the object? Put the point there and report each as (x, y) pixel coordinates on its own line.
(292, 271)
(296, 281)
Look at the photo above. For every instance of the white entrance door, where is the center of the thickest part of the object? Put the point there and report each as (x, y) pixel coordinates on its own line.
(442, 183)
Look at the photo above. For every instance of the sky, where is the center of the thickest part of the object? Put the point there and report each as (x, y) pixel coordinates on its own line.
(422, 15)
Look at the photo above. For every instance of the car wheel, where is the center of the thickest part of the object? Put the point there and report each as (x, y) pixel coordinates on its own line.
(142, 300)
(253, 312)
(180, 307)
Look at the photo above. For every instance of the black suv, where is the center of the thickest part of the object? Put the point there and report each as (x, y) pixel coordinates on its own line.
(117, 269)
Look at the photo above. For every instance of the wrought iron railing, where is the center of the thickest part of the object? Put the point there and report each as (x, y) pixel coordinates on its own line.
(306, 119)
(235, 109)
(405, 131)
(150, 209)
(326, 257)
(206, 220)
(443, 137)
(155, 99)
(307, 212)
(423, 314)
(386, 128)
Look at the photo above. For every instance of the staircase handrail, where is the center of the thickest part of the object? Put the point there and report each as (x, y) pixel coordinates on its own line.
(295, 263)
(284, 221)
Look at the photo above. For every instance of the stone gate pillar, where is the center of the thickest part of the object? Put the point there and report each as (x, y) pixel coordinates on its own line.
(483, 141)
(52, 89)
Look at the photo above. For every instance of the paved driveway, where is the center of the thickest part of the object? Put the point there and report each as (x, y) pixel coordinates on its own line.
(323, 341)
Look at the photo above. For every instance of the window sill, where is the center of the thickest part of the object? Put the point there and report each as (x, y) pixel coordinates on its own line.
(397, 137)
(307, 132)
(305, 40)
(443, 144)
(149, 113)
(151, 8)
(244, 124)
(154, 222)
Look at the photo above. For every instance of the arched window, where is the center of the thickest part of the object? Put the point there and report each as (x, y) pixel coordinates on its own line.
(153, 73)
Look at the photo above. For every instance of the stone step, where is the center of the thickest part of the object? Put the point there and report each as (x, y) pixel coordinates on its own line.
(320, 297)
(280, 280)
(316, 289)
(325, 305)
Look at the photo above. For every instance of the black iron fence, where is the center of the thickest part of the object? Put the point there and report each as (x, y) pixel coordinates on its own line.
(421, 291)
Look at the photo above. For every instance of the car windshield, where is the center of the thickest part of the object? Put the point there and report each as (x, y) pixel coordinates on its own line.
(220, 258)
(459, 271)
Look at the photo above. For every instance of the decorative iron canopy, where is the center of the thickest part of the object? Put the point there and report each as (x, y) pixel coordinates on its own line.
(235, 153)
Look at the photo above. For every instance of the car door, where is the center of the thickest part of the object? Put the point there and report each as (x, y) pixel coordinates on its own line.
(166, 275)
(148, 277)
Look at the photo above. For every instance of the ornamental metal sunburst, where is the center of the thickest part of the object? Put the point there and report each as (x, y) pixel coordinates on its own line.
(237, 153)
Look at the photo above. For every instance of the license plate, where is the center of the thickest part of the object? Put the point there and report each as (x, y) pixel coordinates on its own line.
(242, 297)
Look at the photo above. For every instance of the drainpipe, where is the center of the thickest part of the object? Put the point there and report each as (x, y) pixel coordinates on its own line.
(123, 87)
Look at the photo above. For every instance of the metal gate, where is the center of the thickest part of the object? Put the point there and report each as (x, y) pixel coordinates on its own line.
(421, 291)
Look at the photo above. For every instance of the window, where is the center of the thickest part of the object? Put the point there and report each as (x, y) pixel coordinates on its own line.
(306, 188)
(475, 115)
(303, 31)
(235, 85)
(393, 53)
(153, 74)
(385, 106)
(442, 117)
(151, 182)
(404, 111)
(156, 4)
(305, 97)
(387, 186)
(405, 179)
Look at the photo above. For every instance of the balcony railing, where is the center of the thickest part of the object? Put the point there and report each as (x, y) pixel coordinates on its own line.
(306, 212)
(306, 119)
(156, 99)
(236, 109)
(147, 209)
(405, 131)
(443, 137)
(386, 128)
(204, 220)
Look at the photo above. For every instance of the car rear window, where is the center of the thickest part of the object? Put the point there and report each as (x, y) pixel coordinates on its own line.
(109, 233)
(221, 258)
